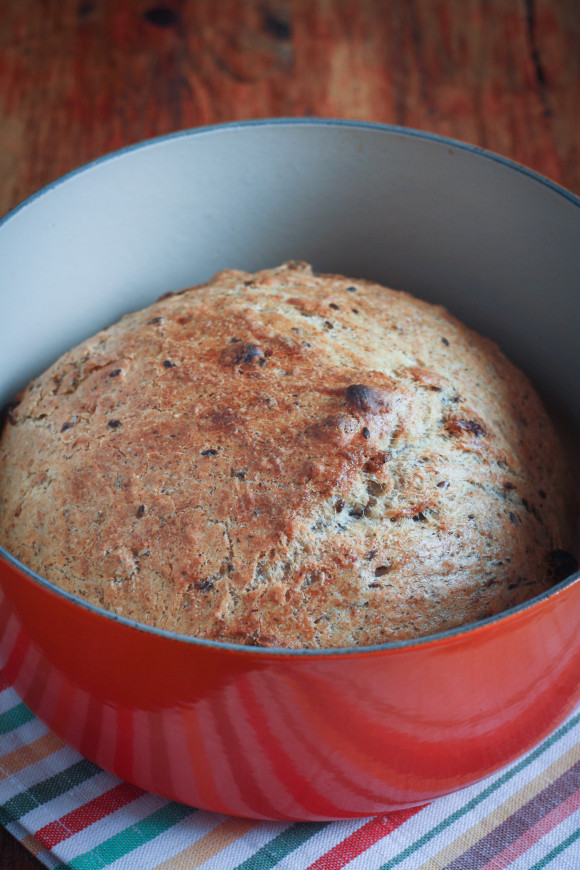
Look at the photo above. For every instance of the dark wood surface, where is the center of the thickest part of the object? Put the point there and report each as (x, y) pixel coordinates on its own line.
(13, 856)
(79, 78)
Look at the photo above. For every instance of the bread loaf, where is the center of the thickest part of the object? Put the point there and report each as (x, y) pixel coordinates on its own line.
(287, 459)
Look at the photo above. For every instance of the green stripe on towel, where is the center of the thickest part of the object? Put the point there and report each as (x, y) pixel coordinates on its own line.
(130, 839)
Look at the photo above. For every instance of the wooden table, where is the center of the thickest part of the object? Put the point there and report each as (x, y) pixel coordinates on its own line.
(79, 78)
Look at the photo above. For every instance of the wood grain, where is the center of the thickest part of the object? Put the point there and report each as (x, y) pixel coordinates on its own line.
(79, 78)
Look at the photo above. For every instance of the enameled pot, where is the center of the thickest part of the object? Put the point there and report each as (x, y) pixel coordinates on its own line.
(299, 734)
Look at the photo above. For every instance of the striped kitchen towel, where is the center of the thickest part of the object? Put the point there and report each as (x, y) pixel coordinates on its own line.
(71, 814)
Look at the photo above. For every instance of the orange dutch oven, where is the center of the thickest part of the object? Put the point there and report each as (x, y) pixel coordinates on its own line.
(295, 734)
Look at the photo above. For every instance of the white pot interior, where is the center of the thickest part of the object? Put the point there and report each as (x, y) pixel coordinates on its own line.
(496, 245)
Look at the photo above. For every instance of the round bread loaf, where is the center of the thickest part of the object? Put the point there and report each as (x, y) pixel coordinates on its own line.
(287, 459)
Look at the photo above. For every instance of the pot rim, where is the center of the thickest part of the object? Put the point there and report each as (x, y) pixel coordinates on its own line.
(437, 638)
(313, 121)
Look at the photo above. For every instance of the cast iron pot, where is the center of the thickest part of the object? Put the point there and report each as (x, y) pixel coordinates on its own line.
(296, 734)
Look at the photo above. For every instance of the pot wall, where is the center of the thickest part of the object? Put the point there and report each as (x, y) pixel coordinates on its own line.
(286, 735)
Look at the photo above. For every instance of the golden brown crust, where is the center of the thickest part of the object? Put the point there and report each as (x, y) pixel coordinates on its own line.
(285, 459)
